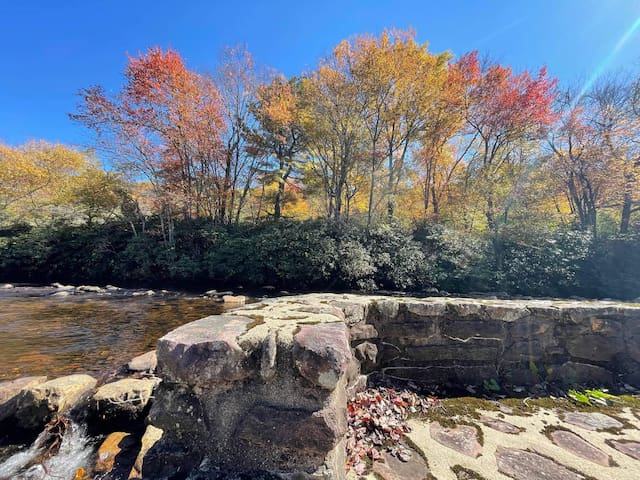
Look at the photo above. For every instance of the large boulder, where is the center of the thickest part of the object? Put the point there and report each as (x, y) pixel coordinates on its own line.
(206, 353)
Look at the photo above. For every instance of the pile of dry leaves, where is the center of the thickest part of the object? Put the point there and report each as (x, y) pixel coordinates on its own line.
(377, 421)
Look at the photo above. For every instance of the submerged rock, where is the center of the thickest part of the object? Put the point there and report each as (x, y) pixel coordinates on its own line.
(63, 293)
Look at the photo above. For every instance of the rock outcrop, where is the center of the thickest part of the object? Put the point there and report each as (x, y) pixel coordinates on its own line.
(263, 388)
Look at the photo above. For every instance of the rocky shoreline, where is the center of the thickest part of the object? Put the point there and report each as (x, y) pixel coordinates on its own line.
(264, 388)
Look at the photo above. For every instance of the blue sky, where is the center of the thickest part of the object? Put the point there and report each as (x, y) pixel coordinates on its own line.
(51, 49)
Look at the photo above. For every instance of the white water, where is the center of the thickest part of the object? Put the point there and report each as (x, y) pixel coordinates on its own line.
(75, 452)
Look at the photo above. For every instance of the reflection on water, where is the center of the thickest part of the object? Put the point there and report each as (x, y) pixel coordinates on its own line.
(58, 336)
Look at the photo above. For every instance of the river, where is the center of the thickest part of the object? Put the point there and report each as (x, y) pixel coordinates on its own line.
(92, 333)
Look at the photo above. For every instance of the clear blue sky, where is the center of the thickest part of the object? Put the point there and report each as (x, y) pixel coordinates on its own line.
(50, 49)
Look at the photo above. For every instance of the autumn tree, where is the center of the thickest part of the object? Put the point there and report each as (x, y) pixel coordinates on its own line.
(166, 125)
(36, 181)
(617, 125)
(237, 78)
(278, 137)
(332, 120)
(398, 83)
(578, 160)
(505, 111)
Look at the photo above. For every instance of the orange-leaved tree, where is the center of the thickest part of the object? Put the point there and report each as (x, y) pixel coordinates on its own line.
(166, 125)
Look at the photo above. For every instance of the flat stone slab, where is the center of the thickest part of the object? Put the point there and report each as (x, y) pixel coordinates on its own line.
(499, 425)
(593, 421)
(393, 469)
(628, 447)
(462, 439)
(524, 465)
(580, 447)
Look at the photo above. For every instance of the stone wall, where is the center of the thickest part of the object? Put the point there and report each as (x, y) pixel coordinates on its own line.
(265, 389)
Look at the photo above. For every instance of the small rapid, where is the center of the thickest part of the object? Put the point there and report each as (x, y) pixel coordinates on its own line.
(64, 457)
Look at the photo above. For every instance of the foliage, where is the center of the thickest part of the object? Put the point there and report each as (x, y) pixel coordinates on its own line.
(387, 166)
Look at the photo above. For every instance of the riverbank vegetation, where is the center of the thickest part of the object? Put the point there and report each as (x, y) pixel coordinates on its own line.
(386, 166)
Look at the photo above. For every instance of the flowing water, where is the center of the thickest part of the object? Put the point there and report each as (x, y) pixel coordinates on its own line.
(76, 452)
(42, 334)
(92, 333)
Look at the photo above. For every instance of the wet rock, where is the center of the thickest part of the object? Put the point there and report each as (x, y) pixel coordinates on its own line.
(367, 354)
(499, 425)
(124, 399)
(322, 353)
(628, 447)
(109, 449)
(393, 469)
(205, 353)
(234, 299)
(146, 362)
(580, 447)
(524, 465)
(37, 404)
(112, 288)
(592, 420)
(6, 286)
(462, 439)
(60, 286)
(149, 439)
(9, 392)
